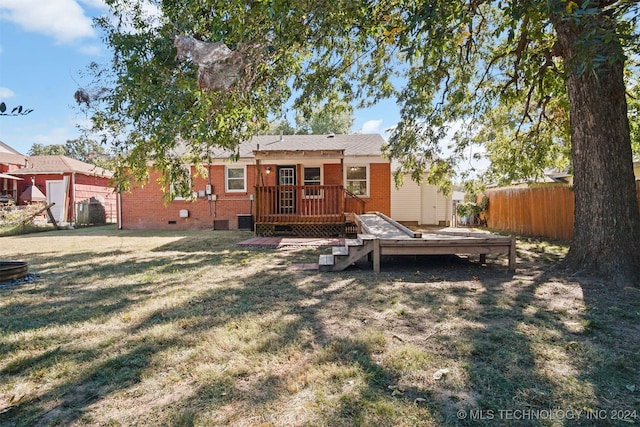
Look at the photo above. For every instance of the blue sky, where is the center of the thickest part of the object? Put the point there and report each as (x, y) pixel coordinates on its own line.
(44, 47)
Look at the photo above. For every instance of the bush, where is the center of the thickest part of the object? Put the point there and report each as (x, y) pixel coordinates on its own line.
(473, 210)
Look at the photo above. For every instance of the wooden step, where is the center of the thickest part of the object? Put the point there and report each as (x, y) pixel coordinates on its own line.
(340, 250)
(325, 259)
(325, 262)
(365, 236)
(353, 242)
(344, 256)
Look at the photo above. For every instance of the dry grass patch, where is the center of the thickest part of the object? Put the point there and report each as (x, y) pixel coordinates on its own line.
(190, 329)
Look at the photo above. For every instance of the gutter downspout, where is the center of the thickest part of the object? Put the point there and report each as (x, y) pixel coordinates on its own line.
(119, 203)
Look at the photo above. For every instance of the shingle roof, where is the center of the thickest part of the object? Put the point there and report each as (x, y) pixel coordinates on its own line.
(9, 156)
(353, 145)
(4, 148)
(60, 164)
(12, 159)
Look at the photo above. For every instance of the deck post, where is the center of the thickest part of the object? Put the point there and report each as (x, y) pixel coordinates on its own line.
(376, 255)
(512, 256)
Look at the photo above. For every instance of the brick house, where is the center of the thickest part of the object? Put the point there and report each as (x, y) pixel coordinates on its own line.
(294, 184)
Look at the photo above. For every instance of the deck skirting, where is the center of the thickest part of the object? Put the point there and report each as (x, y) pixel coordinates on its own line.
(301, 229)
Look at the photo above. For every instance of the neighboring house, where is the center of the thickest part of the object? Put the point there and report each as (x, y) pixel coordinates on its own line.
(293, 184)
(69, 183)
(555, 176)
(10, 160)
(420, 204)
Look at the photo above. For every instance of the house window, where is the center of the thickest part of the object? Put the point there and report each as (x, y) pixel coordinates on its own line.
(235, 179)
(357, 180)
(312, 177)
(181, 184)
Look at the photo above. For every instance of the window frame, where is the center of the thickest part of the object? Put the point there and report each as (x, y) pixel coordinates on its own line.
(367, 179)
(313, 194)
(244, 179)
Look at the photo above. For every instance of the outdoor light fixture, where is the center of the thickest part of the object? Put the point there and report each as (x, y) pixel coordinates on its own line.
(268, 169)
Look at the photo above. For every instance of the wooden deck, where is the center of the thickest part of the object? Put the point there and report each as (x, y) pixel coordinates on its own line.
(383, 236)
(312, 211)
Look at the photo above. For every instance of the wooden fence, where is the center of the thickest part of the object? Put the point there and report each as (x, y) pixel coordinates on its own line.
(545, 211)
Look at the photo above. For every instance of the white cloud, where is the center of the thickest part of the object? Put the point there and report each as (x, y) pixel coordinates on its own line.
(6, 93)
(91, 50)
(371, 126)
(98, 4)
(64, 20)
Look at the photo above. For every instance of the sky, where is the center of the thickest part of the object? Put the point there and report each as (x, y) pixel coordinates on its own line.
(45, 45)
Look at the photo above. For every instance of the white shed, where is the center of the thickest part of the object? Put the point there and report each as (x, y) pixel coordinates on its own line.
(421, 204)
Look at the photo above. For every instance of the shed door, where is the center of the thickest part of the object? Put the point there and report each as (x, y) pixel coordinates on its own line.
(287, 198)
(429, 203)
(56, 192)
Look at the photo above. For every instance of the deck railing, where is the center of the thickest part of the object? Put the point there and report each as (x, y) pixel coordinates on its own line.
(294, 204)
(353, 203)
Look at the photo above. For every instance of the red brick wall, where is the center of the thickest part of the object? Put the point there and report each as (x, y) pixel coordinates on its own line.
(380, 192)
(380, 182)
(332, 174)
(144, 208)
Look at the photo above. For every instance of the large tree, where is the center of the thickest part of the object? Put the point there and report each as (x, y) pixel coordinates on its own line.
(209, 73)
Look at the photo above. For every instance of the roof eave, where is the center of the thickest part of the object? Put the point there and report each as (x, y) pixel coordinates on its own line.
(292, 154)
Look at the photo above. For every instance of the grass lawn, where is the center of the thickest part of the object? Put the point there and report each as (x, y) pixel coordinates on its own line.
(187, 328)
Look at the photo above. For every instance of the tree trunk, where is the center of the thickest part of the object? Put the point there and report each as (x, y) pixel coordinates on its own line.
(606, 231)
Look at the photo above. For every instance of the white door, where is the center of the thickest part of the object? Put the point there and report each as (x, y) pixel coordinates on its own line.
(429, 204)
(56, 191)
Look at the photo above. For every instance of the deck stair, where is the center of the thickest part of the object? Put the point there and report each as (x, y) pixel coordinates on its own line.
(342, 257)
(382, 236)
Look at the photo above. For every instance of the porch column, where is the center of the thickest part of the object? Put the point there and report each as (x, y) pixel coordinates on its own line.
(256, 190)
(343, 195)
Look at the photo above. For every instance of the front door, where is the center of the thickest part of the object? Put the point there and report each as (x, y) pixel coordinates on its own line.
(287, 197)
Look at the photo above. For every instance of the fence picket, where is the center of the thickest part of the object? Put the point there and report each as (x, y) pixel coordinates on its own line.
(545, 211)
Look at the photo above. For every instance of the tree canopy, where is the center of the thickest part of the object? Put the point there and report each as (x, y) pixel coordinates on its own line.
(83, 149)
(516, 74)
(322, 120)
(47, 150)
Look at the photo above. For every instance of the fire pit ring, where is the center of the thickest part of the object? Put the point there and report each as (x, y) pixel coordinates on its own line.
(10, 270)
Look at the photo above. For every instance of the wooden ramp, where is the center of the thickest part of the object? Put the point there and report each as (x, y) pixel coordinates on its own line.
(382, 235)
